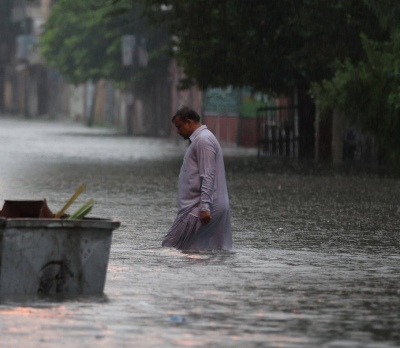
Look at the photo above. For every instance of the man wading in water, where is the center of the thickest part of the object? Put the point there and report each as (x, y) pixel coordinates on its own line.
(203, 220)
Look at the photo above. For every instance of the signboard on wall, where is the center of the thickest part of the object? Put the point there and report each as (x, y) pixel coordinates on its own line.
(234, 102)
(222, 101)
(27, 49)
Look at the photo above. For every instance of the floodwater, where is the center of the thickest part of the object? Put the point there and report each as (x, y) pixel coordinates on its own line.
(316, 262)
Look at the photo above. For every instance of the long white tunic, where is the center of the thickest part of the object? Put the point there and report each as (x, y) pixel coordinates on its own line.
(202, 186)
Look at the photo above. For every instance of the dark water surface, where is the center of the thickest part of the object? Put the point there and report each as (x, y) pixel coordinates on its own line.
(316, 262)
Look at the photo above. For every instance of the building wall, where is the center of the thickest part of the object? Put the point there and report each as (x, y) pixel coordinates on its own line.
(247, 137)
(225, 128)
(221, 114)
(192, 97)
(77, 102)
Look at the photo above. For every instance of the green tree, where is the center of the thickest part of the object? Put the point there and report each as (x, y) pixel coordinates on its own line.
(82, 40)
(272, 46)
(76, 42)
(368, 92)
(269, 45)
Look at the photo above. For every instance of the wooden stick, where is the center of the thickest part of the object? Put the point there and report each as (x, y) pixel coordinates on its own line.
(71, 200)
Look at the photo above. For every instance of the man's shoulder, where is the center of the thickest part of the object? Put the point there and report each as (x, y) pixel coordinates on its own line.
(206, 134)
(207, 138)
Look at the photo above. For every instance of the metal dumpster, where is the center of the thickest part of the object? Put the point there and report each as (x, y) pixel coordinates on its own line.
(54, 256)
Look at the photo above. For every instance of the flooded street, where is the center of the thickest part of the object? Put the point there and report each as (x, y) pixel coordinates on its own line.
(316, 260)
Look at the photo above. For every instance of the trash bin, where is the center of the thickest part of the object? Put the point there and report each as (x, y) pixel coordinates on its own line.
(54, 256)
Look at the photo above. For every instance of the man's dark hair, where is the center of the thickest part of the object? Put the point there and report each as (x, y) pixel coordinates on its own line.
(186, 113)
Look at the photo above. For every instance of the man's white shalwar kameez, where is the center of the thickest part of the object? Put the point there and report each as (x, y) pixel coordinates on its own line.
(201, 187)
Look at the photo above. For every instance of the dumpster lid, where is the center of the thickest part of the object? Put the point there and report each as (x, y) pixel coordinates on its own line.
(26, 209)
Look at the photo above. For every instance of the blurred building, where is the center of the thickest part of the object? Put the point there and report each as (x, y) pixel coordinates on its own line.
(28, 87)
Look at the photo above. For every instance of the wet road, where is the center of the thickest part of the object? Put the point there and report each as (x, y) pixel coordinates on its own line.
(316, 262)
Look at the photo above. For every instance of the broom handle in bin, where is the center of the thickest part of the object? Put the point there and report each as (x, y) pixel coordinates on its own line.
(71, 200)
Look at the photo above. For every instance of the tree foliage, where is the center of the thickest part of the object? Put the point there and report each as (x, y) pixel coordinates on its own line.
(74, 42)
(368, 91)
(269, 45)
(82, 40)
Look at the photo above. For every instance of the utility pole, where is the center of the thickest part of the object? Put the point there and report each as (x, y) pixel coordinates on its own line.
(23, 43)
(128, 47)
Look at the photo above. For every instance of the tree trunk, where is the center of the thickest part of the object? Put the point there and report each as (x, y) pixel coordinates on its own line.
(337, 136)
(316, 135)
(93, 106)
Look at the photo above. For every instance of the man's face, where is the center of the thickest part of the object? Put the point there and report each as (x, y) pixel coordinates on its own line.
(184, 127)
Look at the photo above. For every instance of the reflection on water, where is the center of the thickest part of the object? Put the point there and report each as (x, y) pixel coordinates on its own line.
(316, 262)
(56, 312)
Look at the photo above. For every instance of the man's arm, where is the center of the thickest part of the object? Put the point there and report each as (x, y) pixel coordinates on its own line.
(206, 158)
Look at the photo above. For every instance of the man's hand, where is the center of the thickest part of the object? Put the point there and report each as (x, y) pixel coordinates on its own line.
(205, 217)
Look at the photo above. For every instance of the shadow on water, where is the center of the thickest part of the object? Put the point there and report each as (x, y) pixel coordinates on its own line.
(207, 257)
(41, 301)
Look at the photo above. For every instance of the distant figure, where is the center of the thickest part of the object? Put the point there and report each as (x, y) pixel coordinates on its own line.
(203, 220)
